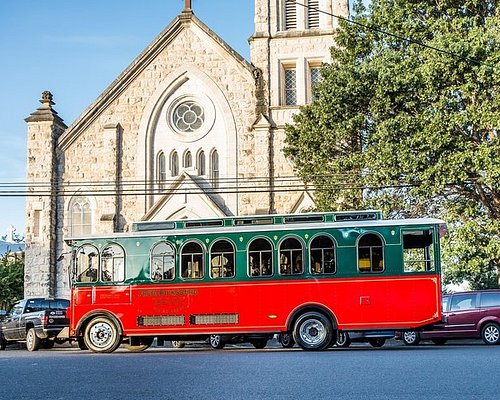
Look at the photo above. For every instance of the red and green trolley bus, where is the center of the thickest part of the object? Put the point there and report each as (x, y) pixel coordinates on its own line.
(308, 275)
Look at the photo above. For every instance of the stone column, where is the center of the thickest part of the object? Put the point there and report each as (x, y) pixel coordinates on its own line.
(43, 213)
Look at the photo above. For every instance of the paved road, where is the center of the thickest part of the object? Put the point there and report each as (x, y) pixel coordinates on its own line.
(456, 371)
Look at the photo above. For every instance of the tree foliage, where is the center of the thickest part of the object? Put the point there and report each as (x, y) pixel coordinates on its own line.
(409, 122)
(11, 280)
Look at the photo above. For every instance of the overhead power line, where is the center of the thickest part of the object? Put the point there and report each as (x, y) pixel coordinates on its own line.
(396, 36)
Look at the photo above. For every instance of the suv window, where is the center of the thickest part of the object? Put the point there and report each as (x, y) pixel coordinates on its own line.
(466, 301)
(446, 300)
(490, 299)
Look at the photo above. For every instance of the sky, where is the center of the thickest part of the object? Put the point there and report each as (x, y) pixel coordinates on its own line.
(76, 49)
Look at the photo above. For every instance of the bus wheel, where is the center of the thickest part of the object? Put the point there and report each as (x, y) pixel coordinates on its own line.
(101, 335)
(286, 340)
(343, 339)
(411, 338)
(216, 342)
(141, 344)
(313, 331)
(33, 342)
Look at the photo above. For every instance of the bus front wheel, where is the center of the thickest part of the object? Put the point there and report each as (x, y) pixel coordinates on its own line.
(102, 335)
(313, 331)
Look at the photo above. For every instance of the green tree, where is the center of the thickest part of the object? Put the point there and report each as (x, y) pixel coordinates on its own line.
(406, 119)
(11, 280)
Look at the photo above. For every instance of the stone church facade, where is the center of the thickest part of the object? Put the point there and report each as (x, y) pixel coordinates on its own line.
(189, 130)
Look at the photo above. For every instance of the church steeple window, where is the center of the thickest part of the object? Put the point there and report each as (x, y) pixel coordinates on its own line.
(290, 14)
(313, 14)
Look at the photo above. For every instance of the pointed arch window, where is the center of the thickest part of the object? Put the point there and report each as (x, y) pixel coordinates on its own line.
(214, 169)
(174, 163)
(80, 216)
(188, 159)
(201, 163)
(161, 170)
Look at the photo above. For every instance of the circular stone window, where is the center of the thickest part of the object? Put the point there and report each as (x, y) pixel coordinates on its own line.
(188, 117)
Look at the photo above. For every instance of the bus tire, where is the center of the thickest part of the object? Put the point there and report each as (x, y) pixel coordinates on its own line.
(102, 335)
(313, 331)
(33, 342)
(81, 343)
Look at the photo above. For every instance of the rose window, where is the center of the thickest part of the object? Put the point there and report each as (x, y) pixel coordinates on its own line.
(188, 117)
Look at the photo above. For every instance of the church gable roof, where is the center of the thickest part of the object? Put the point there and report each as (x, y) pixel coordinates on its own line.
(149, 55)
(206, 200)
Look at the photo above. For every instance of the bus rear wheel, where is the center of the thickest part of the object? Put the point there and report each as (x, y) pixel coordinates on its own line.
(313, 331)
(102, 335)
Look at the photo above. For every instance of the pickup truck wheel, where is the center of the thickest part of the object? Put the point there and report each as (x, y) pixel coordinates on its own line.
(81, 343)
(102, 335)
(32, 340)
(48, 344)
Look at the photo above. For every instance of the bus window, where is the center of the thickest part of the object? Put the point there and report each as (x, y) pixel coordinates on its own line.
(322, 255)
(162, 262)
(291, 260)
(113, 264)
(86, 264)
(260, 258)
(192, 261)
(370, 254)
(418, 251)
(222, 260)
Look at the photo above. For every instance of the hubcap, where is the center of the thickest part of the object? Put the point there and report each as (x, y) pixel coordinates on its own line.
(410, 337)
(101, 335)
(491, 334)
(312, 332)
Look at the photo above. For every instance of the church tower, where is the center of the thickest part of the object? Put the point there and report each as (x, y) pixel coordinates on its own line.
(292, 39)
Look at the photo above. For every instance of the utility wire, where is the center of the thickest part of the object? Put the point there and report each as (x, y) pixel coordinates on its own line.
(407, 40)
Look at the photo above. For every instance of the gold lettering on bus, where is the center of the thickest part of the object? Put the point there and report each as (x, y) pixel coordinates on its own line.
(167, 292)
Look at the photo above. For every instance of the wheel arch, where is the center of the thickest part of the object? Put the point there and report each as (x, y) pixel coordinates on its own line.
(82, 324)
(311, 307)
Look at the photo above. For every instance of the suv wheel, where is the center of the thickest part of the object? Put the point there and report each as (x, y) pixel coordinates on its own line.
(491, 333)
(411, 338)
(216, 342)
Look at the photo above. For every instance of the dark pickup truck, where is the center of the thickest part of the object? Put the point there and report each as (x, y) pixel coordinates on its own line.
(36, 321)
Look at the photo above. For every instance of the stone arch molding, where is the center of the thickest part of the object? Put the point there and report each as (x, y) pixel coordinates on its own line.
(221, 121)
